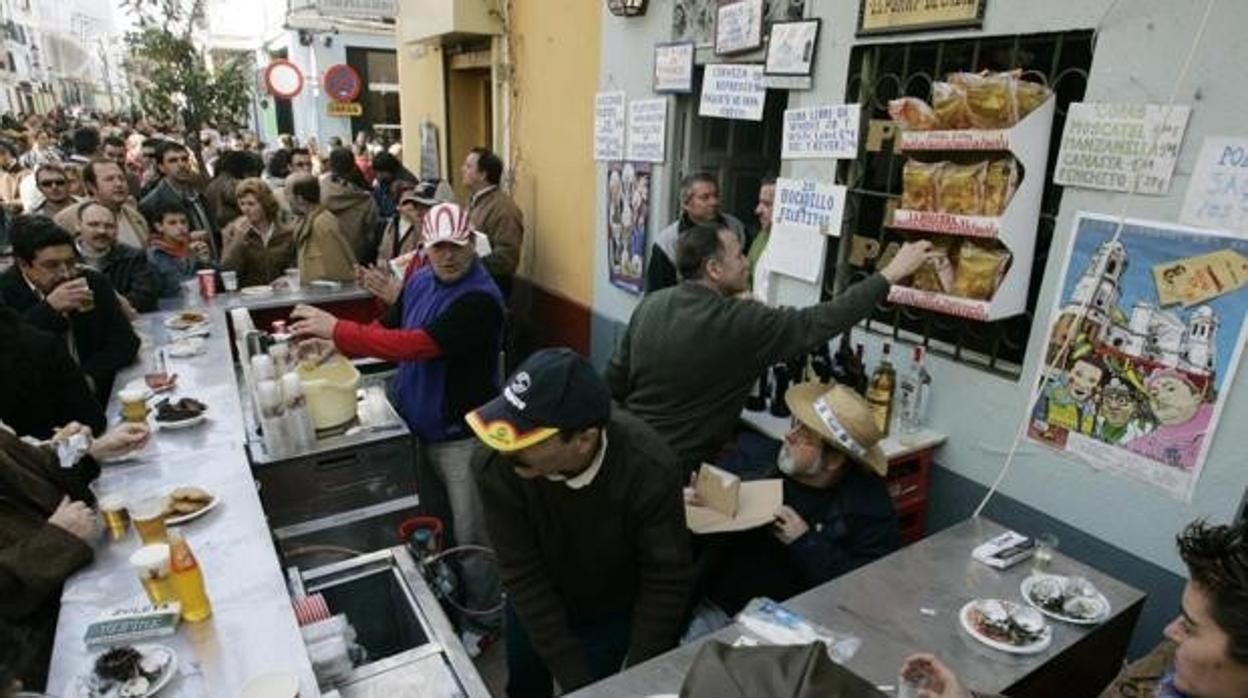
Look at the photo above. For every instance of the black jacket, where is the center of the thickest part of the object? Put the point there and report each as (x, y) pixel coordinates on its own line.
(103, 337)
(41, 388)
(198, 217)
(126, 268)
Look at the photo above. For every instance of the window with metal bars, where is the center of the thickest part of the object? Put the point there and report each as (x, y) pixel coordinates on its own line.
(882, 72)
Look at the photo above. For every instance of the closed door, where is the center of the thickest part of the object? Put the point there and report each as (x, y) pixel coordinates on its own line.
(470, 117)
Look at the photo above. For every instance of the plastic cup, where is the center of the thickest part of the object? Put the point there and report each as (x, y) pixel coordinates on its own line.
(207, 283)
(151, 565)
(148, 515)
(133, 405)
(1046, 549)
(230, 280)
(110, 499)
(292, 278)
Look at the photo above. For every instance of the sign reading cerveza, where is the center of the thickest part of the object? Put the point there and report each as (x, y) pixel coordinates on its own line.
(371, 9)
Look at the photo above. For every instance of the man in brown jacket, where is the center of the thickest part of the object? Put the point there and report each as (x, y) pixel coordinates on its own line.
(346, 194)
(106, 182)
(46, 529)
(321, 250)
(493, 213)
(1205, 653)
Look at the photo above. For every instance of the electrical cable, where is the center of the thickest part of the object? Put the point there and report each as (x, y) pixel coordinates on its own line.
(466, 548)
(1058, 359)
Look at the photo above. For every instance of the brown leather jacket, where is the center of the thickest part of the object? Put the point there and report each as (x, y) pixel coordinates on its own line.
(496, 215)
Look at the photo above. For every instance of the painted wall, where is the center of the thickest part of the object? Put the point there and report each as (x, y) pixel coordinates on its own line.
(980, 412)
(421, 99)
(553, 49)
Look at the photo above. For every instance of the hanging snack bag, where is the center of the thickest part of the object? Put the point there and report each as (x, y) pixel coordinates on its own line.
(960, 189)
(937, 273)
(990, 98)
(949, 102)
(1029, 96)
(979, 270)
(913, 114)
(919, 185)
(999, 185)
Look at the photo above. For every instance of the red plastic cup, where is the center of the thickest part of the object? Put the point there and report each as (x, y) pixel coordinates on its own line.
(207, 282)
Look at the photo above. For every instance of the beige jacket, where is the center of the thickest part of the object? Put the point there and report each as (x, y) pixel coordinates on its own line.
(494, 213)
(132, 227)
(356, 213)
(322, 251)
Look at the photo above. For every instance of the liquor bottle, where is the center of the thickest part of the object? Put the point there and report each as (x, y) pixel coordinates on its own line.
(859, 373)
(757, 399)
(779, 386)
(880, 391)
(912, 395)
(188, 580)
(821, 363)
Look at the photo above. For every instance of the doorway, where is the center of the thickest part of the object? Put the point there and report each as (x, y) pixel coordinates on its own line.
(469, 109)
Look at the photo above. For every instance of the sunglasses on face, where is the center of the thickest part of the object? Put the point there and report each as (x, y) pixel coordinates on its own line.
(53, 183)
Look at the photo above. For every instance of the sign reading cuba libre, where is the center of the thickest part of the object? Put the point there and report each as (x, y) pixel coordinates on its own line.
(896, 16)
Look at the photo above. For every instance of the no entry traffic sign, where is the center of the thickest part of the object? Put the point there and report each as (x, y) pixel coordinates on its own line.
(283, 79)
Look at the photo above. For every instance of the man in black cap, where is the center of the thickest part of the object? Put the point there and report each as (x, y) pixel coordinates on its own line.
(584, 508)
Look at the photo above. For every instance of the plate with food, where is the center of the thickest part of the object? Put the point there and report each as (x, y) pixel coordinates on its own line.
(186, 347)
(185, 320)
(129, 672)
(1006, 626)
(180, 413)
(264, 290)
(188, 503)
(1069, 599)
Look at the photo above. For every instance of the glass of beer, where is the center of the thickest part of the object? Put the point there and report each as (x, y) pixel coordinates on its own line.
(133, 405)
(111, 501)
(148, 515)
(151, 564)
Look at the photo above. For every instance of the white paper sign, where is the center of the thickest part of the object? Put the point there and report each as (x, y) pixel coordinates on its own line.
(829, 131)
(673, 67)
(647, 129)
(1217, 195)
(609, 126)
(1105, 146)
(806, 212)
(739, 26)
(733, 91)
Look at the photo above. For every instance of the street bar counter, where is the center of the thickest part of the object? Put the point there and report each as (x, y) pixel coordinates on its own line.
(253, 630)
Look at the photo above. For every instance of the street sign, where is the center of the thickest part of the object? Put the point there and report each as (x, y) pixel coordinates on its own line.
(283, 79)
(342, 83)
(345, 109)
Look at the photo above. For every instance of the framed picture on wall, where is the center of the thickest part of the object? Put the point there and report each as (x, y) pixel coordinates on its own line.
(738, 26)
(791, 48)
(673, 67)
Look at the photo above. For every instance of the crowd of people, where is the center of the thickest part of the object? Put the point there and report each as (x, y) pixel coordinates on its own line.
(577, 480)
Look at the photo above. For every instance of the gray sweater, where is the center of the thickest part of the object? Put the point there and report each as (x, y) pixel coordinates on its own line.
(690, 355)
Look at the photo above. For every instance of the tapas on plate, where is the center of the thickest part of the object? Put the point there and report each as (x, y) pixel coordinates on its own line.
(1070, 599)
(129, 672)
(1006, 626)
(180, 413)
(188, 503)
(185, 320)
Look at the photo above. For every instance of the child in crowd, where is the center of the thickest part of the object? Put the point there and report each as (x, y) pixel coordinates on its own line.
(171, 253)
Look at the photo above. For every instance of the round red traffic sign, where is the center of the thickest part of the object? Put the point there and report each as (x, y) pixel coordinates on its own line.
(283, 78)
(342, 83)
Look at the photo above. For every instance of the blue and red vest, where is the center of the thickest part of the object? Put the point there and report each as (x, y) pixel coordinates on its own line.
(420, 386)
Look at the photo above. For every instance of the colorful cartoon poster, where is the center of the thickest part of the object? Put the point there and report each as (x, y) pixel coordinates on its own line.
(1133, 383)
(628, 218)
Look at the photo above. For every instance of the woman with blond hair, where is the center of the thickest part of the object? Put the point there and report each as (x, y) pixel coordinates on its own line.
(260, 244)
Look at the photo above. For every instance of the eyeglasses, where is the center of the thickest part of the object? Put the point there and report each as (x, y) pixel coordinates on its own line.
(799, 435)
(53, 183)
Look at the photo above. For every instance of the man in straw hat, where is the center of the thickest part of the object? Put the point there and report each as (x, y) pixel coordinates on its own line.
(837, 514)
(691, 352)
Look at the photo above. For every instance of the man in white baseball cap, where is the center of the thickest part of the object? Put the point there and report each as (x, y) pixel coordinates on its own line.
(445, 333)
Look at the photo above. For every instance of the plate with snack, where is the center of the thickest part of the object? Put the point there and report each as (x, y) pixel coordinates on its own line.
(1006, 626)
(1069, 599)
(186, 320)
(188, 503)
(186, 347)
(255, 291)
(129, 672)
(180, 413)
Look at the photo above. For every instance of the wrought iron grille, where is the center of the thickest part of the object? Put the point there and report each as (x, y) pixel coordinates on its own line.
(881, 72)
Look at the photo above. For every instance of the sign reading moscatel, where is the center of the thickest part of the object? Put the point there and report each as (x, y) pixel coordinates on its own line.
(895, 16)
(345, 109)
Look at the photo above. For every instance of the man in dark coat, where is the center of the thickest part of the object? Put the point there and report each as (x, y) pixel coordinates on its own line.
(51, 292)
(180, 184)
(41, 388)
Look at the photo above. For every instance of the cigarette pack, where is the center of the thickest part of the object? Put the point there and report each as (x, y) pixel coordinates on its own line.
(127, 625)
(1005, 550)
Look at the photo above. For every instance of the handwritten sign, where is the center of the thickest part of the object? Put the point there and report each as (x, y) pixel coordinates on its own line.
(808, 204)
(609, 126)
(893, 16)
(1199, 279)
(647, 129)
(1217, 195)
(673, 67)
(739, 26)
(829, 131)
(1121, 147)
(733, 91)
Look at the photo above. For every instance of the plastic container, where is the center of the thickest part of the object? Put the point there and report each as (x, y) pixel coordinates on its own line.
(330, 390)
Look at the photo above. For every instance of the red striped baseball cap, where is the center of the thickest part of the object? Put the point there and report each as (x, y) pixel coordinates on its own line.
(446, 223)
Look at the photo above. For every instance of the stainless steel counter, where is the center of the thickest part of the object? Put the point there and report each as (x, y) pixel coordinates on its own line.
(253, 629)
(908, 602)
(278, 299)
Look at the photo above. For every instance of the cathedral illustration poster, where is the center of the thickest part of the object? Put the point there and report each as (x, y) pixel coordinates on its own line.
(1142, 348)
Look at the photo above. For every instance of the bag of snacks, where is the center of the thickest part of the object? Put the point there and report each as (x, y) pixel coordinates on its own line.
(979, 270)
(936, 274)
(913, 114)
(960, 189)
(1029, 95)
(949, 102)
(919, 185)
(990, 99)
(999, 185)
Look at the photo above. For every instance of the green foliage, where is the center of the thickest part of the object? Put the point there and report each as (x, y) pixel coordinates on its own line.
(170, 74)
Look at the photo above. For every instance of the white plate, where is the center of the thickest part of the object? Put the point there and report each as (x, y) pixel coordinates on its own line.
(265, 290)
(1038, 646)
(183, 518)
(1025, 590)
(189, 346)
(84, 689)
(175, 322)
(181, 424)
